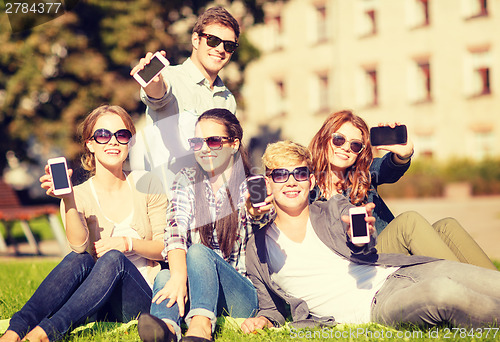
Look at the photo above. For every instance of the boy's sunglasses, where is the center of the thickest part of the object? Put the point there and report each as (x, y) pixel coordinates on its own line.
(301, 174)
(103, 136)
(214, 41)
(355, 145)
(214, 143)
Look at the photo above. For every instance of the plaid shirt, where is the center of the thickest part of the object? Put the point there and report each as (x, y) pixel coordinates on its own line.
(180, 232)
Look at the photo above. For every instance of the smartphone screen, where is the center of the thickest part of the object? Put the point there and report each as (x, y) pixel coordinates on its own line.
(386, 135)
(257, 189)
(59, 176)
(358, 225)
(150, 70)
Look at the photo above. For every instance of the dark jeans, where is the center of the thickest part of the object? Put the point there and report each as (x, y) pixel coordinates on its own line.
(78, 288)
(440, 291)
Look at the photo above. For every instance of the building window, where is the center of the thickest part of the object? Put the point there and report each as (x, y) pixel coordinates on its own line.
(368, 88)
(275, 38)
(368, 18)
(483, 80)
(474, 8)
(419, 86)
(425, 144)
(320, 93)
(477, 77)
(276, 100)
(417, 13)
(370, 22)
(483, 144)
(321, 24)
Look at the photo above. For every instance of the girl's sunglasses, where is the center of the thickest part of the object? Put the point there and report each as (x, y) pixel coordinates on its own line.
(214, 143)
(214, 41)
(301, 174)
(355, 145)
(103, 136)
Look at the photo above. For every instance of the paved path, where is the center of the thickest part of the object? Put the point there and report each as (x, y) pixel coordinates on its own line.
(480, 216)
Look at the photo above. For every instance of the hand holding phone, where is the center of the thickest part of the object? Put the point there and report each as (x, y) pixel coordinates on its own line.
(147, 74)
(386, 135)
(58, 169)
(257, 189)
(360, 231)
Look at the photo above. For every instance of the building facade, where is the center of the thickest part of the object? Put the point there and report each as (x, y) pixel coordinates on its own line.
(433, 65)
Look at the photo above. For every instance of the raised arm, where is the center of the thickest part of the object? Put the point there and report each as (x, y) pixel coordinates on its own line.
(158, 87)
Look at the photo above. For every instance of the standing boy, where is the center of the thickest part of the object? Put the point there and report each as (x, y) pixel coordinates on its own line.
(181, 93)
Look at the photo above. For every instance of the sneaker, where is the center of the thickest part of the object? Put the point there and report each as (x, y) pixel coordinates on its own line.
(153, 329)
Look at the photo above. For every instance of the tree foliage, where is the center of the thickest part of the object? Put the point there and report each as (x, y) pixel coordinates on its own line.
(52, 75)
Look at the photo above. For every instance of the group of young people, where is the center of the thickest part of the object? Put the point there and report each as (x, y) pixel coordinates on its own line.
(223, 255)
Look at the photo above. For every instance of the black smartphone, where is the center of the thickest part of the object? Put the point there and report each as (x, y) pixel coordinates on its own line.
(257, 189)
(386, 135)
(151, 70)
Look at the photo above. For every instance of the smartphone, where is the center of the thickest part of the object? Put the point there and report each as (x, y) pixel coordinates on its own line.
(386, 135)
(59, 172)
(151, 70)
(257, 189)
(360, 232)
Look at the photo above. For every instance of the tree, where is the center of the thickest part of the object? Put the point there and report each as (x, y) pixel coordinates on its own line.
(53, 74)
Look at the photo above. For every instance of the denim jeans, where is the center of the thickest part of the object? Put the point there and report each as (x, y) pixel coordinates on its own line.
(440, 291)
(79, 288)
(215, 288)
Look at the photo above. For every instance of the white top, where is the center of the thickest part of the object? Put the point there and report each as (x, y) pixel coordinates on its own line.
(124, 229)
(330, 284)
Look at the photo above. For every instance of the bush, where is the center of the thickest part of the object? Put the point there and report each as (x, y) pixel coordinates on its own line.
(427, 178)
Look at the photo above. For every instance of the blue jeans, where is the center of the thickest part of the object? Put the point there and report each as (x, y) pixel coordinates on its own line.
(215, 288)
(78, 288)
(440, 291)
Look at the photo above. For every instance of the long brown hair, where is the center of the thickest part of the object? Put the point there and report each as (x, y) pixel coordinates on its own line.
(87, 128)
(226, 222)
(357, 177)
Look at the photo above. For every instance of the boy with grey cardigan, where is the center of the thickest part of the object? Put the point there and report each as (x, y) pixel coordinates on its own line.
(305, 258)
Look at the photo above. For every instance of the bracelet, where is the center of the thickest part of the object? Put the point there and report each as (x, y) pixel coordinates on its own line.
(407, 158)
(130, 244)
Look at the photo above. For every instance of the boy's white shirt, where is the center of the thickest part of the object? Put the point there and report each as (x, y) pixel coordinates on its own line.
(328, 283)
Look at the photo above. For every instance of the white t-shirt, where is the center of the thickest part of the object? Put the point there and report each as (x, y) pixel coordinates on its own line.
(330, 284)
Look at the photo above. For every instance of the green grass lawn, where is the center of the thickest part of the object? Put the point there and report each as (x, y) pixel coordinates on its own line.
(20, 278)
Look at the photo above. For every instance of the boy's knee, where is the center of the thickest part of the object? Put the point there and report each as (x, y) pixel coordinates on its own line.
(448, 224)
(413, 217)
(407, 222)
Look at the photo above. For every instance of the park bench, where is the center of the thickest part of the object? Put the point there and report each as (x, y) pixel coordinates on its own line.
(12, 210)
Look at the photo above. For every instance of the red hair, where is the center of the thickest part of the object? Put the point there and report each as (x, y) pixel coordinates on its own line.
(356, 177)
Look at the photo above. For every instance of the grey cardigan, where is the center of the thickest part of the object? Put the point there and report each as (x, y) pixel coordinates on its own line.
(331, 230)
